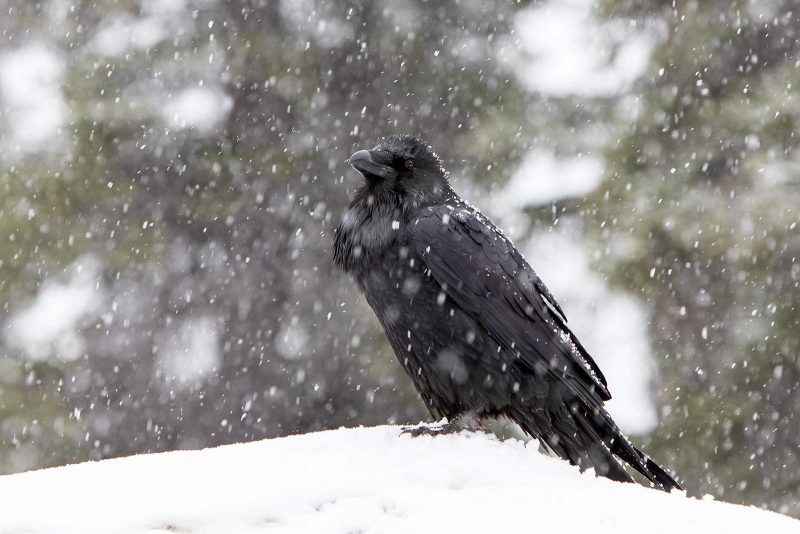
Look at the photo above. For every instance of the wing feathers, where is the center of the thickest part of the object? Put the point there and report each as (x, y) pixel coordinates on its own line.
(486, 276)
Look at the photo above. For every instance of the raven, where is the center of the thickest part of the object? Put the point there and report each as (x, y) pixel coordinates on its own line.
(472, 324)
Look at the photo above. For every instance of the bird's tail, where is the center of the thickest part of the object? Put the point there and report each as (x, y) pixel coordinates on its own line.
(587, 437)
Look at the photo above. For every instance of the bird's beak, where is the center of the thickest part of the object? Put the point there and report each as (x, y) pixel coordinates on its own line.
(363, 162)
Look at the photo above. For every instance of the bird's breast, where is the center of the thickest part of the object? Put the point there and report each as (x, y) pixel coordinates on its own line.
(364, 236)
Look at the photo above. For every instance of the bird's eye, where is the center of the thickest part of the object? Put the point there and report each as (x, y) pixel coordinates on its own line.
(397, 161)
(393, 159)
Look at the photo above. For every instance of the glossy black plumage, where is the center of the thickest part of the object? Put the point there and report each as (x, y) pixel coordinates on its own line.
(472, 324)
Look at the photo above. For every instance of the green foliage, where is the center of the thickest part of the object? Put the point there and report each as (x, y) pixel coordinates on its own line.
(700, 217)
(229, 224)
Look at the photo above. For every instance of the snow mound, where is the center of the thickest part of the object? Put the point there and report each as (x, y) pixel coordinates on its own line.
(355, 480)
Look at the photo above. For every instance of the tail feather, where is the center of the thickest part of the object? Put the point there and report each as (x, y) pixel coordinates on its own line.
(660, 475)
(566, 437)
(588, 437)
(603, 460)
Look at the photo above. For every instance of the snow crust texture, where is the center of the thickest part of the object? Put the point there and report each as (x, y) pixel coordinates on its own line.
(356, 480)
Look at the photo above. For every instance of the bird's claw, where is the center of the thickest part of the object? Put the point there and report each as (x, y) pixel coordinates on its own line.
(423, 430)
(448, 427)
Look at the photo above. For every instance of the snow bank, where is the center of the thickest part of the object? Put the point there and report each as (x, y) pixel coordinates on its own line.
(355, 480)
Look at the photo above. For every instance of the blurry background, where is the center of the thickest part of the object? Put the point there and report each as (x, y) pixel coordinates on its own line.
(171, 172)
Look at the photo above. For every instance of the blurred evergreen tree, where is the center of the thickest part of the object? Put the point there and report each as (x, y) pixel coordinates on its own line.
(699, 217)
(205, 171)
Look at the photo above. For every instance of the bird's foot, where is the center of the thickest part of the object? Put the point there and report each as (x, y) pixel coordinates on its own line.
(462, 422)
(435, 429)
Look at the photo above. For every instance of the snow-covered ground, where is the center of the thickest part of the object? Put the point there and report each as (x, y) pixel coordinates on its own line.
(355, 480)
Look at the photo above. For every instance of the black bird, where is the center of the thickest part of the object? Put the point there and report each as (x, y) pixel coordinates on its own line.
(474, 327)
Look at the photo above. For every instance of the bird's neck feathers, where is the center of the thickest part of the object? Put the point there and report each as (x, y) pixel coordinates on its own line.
(431, 187)
(368, 228)
(375, 195)
(378, 210)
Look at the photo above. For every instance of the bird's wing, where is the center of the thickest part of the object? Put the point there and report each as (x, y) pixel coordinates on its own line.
(485, 275)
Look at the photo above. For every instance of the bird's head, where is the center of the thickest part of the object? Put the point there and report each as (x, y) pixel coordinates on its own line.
(402, 167)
